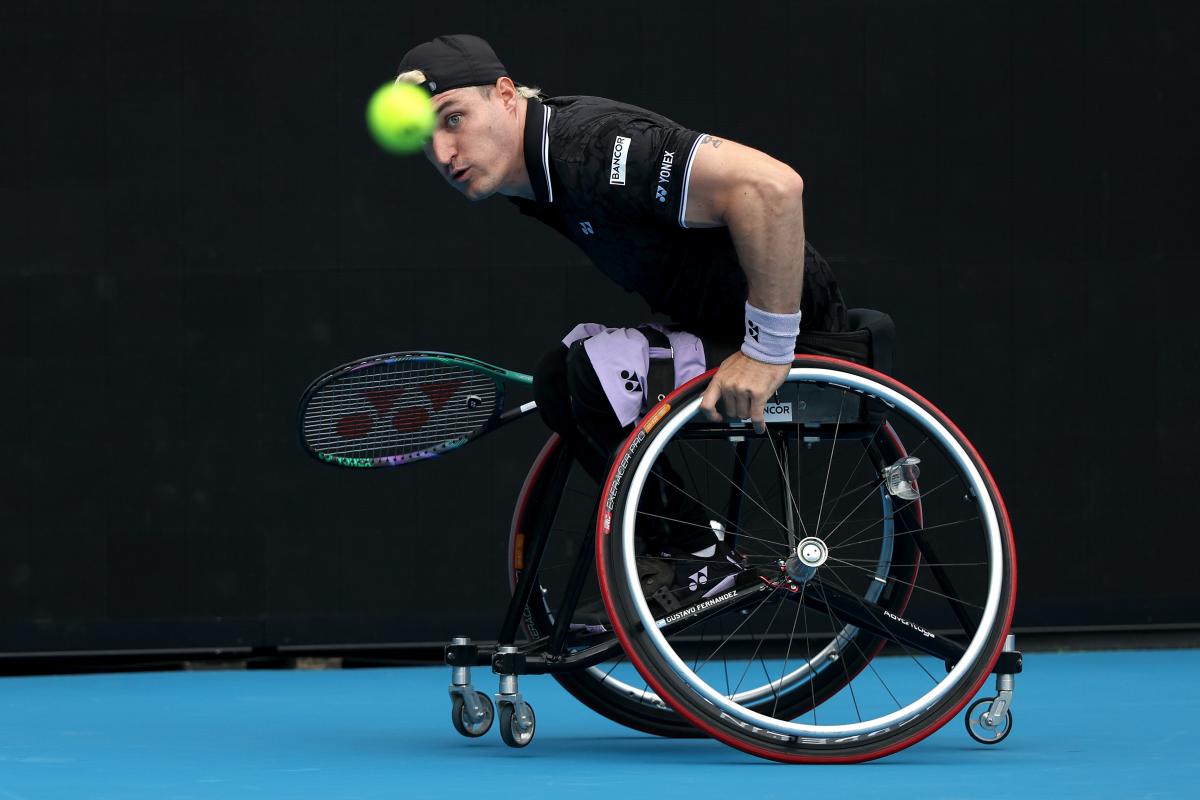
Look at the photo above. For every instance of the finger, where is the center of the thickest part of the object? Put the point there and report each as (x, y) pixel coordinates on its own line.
(758, 416)
(709, 404)
(744, 405)
(735, 404)
(729, 401)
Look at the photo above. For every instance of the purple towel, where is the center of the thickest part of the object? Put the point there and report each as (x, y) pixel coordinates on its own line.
(621, 358)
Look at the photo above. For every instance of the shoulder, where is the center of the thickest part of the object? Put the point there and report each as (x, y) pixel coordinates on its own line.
(619, 160)
(586, 107)
(579, 118)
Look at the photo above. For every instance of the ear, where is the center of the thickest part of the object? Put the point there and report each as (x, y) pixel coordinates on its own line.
(507, 91)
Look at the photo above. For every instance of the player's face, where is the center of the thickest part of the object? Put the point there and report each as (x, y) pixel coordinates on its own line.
(474, 142)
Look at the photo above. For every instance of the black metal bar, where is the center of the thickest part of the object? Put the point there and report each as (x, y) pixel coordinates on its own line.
(735, 599)
(583, 562)
(871, 617)
(785, 491)
(537, 663)
(822, 432)
(741, 453)
(461, 655)
(932, 562)
(472, 655)
(547, 506)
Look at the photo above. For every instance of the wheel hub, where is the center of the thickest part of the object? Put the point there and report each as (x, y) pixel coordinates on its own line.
(810, 554)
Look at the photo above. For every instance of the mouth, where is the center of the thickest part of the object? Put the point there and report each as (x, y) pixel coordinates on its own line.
(458, 174)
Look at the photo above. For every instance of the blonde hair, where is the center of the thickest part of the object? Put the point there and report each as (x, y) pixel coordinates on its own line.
(418, 77)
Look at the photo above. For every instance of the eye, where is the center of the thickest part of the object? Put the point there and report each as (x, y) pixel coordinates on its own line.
(454, 120)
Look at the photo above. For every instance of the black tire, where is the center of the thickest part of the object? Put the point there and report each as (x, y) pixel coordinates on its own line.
(976, 583)
(634, 704)
(977, 731)
(510, 729)
(458, 716)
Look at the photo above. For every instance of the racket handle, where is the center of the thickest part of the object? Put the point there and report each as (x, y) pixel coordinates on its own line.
(516, 413)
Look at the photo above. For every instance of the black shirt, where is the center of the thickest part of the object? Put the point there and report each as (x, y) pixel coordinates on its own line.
(613, 178)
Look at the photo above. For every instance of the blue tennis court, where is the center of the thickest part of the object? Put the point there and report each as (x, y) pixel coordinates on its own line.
(1119, 724)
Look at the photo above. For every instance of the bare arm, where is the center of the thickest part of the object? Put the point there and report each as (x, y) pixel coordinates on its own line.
(760, 200)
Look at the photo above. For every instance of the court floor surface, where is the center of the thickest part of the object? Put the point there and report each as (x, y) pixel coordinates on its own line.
(1113, 724)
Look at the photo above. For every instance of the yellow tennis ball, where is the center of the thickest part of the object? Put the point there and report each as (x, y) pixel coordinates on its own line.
(400, 117)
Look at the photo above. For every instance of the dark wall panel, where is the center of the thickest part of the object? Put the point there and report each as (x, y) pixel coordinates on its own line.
(195, 225)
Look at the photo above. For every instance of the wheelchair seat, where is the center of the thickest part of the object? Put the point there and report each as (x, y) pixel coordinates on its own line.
(870, 340)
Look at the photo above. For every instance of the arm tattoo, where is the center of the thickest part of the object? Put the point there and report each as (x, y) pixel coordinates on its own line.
(706, 139)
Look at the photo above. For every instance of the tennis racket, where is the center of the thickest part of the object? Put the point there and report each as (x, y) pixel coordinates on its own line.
(395, 408)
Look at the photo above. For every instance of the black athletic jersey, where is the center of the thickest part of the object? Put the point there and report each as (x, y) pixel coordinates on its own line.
(613, 178)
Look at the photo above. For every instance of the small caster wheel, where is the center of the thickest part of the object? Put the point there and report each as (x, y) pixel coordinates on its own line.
(517, 724)
(460, 715)
(977, 726)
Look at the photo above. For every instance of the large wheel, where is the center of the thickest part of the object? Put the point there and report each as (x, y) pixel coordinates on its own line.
(615, 689)
(866, 527)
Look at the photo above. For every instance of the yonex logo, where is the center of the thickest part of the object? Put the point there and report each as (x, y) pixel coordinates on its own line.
(664, 175)
(407, 418)
(587, 229)
(632, 382)
(752, 330)
(697, 579)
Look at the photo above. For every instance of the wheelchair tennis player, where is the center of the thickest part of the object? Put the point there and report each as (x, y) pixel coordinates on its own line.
(708, 231)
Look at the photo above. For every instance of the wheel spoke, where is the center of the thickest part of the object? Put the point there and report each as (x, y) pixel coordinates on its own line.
(740, 489)
(836, 430)
(787, 655)
(895, 511)
(838, 627)
(757, 647)
(879, 622)
(726, 639)
(615, 664)
(871, 491)
(790, 496)
(854, 469)
(913, 585)
(925, 529)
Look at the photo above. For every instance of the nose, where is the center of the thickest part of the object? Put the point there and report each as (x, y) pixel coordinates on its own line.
(441, 149)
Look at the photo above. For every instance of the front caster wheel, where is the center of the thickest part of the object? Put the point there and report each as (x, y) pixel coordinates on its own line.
(978, 727)
(517, 724)
(461, 717)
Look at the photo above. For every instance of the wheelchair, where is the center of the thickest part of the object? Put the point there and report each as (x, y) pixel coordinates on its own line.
(877, 594)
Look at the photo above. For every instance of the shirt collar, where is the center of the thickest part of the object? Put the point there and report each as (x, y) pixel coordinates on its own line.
(537, 149)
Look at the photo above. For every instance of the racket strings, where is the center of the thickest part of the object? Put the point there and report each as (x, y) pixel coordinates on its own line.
(397, 408)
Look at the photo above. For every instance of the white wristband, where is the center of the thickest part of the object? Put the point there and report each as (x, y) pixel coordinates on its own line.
(770, 338)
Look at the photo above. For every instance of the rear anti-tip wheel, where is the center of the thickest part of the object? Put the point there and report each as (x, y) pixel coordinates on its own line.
(977, 722)
(472, 725)
(517, 724)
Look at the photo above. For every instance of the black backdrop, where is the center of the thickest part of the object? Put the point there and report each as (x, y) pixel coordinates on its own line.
(195, 224)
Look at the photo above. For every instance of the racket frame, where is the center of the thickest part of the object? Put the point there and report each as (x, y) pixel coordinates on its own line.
(499, 417)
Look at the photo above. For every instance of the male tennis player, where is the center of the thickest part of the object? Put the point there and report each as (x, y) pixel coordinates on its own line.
(708, 231)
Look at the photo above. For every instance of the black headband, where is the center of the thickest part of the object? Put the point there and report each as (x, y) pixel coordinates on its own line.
(451, 62)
